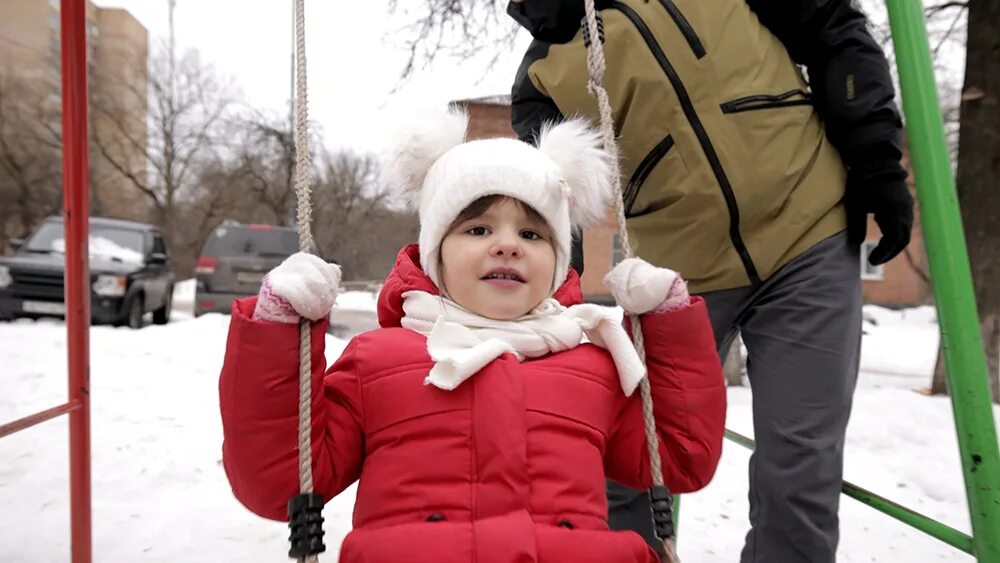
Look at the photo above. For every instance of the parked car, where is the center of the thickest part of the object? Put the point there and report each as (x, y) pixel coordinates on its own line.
(234, 260)
(130, 273)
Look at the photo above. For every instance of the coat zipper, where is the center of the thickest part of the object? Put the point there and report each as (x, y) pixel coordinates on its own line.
(642, 172)
(685, 27)
(766, 101)
(706, 144)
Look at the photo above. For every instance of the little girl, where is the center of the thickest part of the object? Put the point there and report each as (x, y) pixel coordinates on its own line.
(484, 415)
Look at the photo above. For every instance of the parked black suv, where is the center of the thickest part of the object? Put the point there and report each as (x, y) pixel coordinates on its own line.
(234, 260)
(130, 273)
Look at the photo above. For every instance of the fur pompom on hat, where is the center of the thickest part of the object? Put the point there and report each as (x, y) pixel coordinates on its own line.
(567, 178)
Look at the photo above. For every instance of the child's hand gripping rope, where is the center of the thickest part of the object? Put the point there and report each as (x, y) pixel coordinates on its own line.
(303, 285)
(639, 287)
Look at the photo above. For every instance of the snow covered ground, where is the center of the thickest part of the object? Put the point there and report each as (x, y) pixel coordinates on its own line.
(160, 495)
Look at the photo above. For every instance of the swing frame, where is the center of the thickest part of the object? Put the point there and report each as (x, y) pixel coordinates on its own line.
(943, 233)
(76, 220)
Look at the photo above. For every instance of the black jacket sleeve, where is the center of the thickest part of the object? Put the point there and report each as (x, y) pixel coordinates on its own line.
(529, 108)
(848, 73)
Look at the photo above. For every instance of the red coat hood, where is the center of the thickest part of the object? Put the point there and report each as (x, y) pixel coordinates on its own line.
(407, 275)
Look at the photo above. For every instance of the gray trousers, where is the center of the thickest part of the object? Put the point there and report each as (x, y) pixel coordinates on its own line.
(802, 330)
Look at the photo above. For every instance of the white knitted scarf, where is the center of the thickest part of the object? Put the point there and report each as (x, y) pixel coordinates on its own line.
(461, 342)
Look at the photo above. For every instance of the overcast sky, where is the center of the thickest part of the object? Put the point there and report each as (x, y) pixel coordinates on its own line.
(353, 62)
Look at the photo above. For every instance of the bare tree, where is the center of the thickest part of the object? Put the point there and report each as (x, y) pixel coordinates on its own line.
(355, 220)
(271, 168)
(346, 199)
(30, 173)
(453, 28)
(187, 104)
(978, 170)
(946, 31)
(250, 181)
(385, 234)
(218, 195)
(264, 162)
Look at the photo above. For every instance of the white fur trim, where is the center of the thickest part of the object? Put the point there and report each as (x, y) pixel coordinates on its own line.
(588, 169)
(418, 144)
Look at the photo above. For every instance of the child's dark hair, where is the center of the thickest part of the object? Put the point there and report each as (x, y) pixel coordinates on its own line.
(478, 207)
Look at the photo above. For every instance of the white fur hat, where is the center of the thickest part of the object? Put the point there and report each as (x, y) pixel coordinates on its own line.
(567, 178)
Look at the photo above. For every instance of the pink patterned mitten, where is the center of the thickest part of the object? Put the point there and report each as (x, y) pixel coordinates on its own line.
(273, 307)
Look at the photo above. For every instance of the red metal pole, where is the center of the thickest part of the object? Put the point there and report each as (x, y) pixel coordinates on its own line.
(77, 290)
(37, 418)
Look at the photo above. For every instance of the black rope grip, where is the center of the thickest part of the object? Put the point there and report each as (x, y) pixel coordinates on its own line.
(586, 29)
(663, 511)
(305, 519)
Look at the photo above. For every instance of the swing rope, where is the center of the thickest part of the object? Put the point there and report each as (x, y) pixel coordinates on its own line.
(596, 65)
(304, 510)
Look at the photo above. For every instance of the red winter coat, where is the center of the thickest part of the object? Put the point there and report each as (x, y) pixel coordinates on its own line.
(509, 467)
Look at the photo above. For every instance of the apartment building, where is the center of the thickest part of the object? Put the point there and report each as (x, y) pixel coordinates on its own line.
(117, 49)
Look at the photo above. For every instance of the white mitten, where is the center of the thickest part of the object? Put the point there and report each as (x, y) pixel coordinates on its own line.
(302, 285)
(640, 287)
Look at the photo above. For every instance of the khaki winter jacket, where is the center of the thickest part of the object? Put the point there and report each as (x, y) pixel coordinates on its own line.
(727, 172)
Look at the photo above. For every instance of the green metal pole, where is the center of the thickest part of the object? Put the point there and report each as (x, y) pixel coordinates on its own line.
(677, 517)
(929, 526)
(949, 262)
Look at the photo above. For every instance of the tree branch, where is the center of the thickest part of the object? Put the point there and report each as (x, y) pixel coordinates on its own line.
(937, 8)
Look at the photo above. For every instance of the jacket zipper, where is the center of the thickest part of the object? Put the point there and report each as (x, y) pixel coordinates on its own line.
(706, 143)
(643, 170)
(685, 27)
(766, 101)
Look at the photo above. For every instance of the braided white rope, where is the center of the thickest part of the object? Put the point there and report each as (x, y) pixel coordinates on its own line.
(596, 65)
(303, 193)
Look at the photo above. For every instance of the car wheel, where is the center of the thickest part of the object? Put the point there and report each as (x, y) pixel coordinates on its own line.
(161, 316)
(135, 311)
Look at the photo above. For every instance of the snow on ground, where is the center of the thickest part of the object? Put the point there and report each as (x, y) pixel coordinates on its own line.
(184, 297)
(356, 301)
(160, 495)
(911, 332)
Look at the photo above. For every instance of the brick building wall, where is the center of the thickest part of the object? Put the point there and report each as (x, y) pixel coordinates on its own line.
(598, 257)
(488, 120)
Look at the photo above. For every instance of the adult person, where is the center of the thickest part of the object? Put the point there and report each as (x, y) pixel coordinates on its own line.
(754, 183)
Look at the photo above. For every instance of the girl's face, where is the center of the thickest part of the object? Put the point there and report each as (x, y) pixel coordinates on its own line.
(500, 263)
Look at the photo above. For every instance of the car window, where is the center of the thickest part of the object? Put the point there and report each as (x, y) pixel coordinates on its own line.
(113, 243)
(247, 241)
(159, 246)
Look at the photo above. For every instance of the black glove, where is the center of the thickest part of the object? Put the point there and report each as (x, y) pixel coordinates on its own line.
(878, 186)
